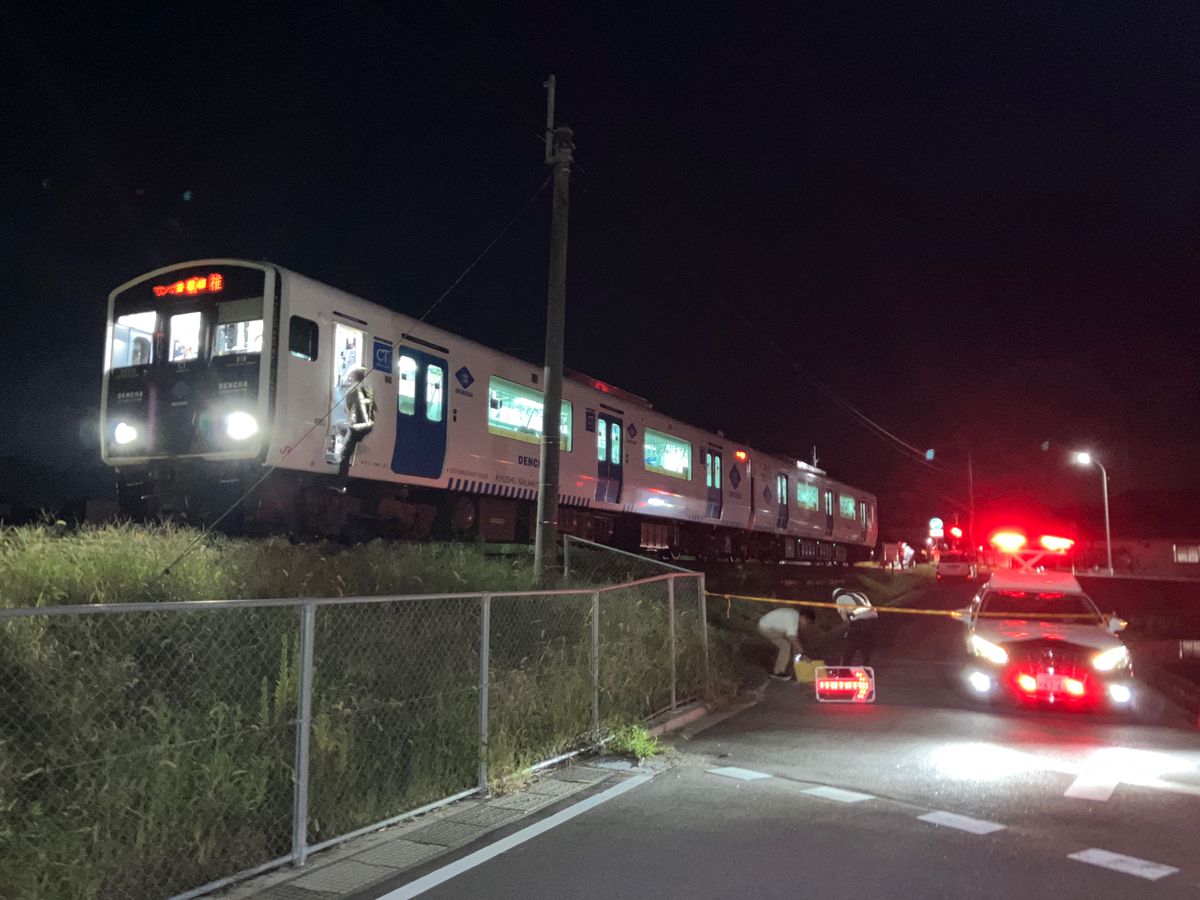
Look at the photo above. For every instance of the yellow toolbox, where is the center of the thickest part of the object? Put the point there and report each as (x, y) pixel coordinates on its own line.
(806, 669)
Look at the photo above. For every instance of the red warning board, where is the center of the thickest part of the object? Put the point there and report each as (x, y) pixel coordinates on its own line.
(845, 684)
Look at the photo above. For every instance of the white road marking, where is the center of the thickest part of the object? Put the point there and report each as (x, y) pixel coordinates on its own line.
(841, 796)
(445, 873)
(962, 823)
(739, 774)
(1130, 865)
(1092, 786)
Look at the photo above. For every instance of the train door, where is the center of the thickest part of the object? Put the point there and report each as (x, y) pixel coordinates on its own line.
(420, 447)
(609, 462)
(781, 492)
(349, 348)
(712, 479)
(829, 513)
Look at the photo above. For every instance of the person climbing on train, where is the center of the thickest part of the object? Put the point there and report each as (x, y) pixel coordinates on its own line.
(360, 416)
(860, 618)
(782, 628)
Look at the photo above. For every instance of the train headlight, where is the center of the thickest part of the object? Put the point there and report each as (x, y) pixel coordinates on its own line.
(124, 433)
(241, 425)
(1115, 658)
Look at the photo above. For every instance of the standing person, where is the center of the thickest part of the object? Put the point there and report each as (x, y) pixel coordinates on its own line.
(782, 628)
(860, 618)
(360, 416)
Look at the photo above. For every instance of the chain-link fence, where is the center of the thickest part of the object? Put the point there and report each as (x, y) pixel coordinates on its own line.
(149, 750)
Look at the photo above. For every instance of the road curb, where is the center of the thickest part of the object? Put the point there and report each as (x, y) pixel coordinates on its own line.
(678, 719)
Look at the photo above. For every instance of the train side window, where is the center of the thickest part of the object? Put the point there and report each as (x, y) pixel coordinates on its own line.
(615, 445)
(406, 385)
(717, 471)
(602, 442)
(847, 507)
(666, 455)
(133, 340)
(435, 397)
(185, 336)
(807, 495)
(708, 475)
(303, 338)
(515, 411)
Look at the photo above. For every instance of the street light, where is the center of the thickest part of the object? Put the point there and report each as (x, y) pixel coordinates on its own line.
(1083, 458)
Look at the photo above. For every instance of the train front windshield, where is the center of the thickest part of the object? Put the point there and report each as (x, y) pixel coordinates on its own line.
(184, 362)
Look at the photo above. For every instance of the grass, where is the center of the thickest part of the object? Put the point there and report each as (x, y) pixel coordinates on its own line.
(635, 741)
(145, 753)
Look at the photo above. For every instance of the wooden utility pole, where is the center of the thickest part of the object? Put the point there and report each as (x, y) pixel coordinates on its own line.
(971, 493)
(558, 155)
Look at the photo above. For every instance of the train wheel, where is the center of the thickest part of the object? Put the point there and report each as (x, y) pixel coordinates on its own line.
(464, 516)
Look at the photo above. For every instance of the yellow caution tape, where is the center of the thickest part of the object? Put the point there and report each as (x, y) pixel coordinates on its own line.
(905, 610)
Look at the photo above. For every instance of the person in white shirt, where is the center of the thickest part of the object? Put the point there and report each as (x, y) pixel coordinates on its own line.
(782, 628)
(859, 636)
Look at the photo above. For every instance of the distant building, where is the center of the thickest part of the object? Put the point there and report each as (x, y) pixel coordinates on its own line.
(1176, 557)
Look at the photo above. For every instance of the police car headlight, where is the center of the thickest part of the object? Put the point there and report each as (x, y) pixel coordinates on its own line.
(1116, 658)
(241, 425)
(989, 651)
(124, 433)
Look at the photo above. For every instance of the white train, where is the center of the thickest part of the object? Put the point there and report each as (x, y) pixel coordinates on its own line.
(219, 370)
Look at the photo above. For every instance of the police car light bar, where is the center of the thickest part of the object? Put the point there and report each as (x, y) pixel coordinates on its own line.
(845, 684)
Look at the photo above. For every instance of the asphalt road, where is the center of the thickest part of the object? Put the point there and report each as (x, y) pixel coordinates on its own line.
(1042, 785)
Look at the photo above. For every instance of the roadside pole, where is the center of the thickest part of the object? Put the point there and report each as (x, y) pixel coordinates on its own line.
(558, 155)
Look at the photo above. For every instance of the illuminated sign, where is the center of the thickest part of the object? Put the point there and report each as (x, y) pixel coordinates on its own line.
(212, 283)
(845, 684)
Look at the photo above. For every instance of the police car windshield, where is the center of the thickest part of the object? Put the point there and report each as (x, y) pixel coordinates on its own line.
(1030, 604)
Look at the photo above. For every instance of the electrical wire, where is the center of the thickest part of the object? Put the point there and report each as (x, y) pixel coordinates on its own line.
(319, 423)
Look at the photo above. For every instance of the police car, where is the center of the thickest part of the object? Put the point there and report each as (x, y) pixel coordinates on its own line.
(1037, 637)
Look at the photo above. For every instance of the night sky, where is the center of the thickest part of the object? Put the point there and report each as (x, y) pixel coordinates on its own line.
(978, 225)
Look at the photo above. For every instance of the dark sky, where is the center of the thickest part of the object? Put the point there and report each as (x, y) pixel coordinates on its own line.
(980, 224)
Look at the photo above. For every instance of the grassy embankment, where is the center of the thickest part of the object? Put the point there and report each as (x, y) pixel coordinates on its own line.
(145, 753)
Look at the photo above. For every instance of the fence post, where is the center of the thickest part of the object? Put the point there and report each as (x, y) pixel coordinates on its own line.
(704, 628)
(671, 614)
(308, 629)
(596, 663)
(566, 556)
(485, 638)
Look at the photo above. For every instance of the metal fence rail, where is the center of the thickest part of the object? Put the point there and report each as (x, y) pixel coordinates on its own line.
(165, 749)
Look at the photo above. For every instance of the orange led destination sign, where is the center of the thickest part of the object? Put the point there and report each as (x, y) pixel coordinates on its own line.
(845, 684)
(212, 283)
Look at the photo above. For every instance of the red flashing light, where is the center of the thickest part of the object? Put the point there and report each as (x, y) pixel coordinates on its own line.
(740, 455)
(1027, 683)
(1008, 541)
(1056, 544)
(213, 283)
(955, 531)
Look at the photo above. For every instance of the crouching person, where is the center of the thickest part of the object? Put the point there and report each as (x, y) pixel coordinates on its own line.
(782, 628)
